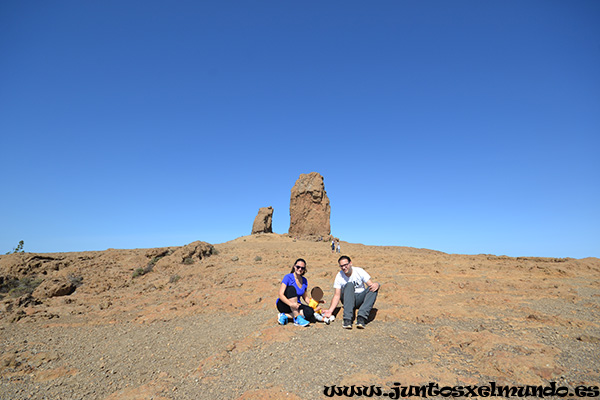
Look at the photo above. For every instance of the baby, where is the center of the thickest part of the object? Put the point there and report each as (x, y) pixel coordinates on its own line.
(316, 298)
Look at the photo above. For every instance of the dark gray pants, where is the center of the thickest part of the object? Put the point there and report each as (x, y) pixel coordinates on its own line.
(364, 301)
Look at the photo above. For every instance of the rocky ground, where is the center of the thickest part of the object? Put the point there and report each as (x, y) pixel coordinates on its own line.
(199, 322)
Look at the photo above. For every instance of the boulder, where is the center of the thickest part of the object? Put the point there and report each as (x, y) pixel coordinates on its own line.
(309, 207)
(263, 221)
(194, 251)
(159, 252)
(54, 287)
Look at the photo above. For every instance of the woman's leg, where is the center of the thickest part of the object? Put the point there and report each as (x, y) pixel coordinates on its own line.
(307, 312)
(290, 293)
(284, 308)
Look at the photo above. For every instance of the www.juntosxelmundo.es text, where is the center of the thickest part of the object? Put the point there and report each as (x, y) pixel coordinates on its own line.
(433, 389)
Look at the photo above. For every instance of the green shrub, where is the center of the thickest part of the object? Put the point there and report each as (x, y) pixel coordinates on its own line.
(174, 278)
(138, 272)
(76, 280)
(19, 287)
(151, 264)
(18, 249)
(148, 268)
(188, 261)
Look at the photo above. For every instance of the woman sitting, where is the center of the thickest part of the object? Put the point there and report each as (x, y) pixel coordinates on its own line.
(293, 287)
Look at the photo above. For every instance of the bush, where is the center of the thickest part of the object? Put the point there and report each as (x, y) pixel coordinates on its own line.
(174, 278)
(148, 268)
(153, 262)
(19, 287)
(76, 280)
(258, 258)
(18, 249)
(188, 261)
(138, 272)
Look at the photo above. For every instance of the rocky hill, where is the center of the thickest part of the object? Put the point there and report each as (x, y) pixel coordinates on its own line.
(199, 322)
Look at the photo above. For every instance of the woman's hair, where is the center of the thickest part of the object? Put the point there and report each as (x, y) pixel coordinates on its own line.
(294, 265)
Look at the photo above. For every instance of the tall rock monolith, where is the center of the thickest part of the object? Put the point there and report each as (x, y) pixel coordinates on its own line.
(309, 207)
(263, 223)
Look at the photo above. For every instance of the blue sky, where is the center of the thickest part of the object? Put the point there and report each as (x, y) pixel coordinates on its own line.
(461, 126)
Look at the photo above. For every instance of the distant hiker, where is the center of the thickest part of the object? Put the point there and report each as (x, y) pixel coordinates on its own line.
(333, 245)
(293, 287)
(338, 249)
(354, 288)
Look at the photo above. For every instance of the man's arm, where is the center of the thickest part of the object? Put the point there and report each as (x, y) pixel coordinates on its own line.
(334, 303)
(372, 286)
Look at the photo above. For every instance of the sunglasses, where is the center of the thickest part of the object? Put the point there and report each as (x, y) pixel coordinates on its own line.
(344, 265)
(300, 267)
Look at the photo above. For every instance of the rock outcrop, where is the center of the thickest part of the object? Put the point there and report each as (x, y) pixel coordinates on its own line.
(58, 286)
(309, 207)
(195, 251)
(263, 223)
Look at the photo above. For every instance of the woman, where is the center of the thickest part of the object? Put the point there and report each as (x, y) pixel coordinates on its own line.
(294, 286)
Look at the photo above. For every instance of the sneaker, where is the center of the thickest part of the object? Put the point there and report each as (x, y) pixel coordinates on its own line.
(347, 324)
(326, 320)
(361, 322)
(300, 321)
(282, 319)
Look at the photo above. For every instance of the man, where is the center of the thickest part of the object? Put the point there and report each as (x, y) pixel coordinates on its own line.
(350, 289)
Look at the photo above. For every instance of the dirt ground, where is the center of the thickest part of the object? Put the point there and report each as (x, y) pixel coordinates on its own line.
(206, 328)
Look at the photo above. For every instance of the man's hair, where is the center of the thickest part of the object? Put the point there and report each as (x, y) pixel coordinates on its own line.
(344, 257)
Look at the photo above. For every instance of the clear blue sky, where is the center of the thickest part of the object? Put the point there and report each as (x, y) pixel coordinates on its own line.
(461, 126)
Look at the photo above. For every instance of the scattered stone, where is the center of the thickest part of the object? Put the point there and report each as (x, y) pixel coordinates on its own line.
(588, 339)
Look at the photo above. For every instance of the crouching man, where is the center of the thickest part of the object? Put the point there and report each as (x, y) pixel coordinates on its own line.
(354, 288)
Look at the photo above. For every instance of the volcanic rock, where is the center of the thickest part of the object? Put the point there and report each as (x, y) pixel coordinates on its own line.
(309, 207)
(194, 251)
(263, 221)
(59, 286)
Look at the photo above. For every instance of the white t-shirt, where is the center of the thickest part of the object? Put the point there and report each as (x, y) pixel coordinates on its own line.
(358, 278)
